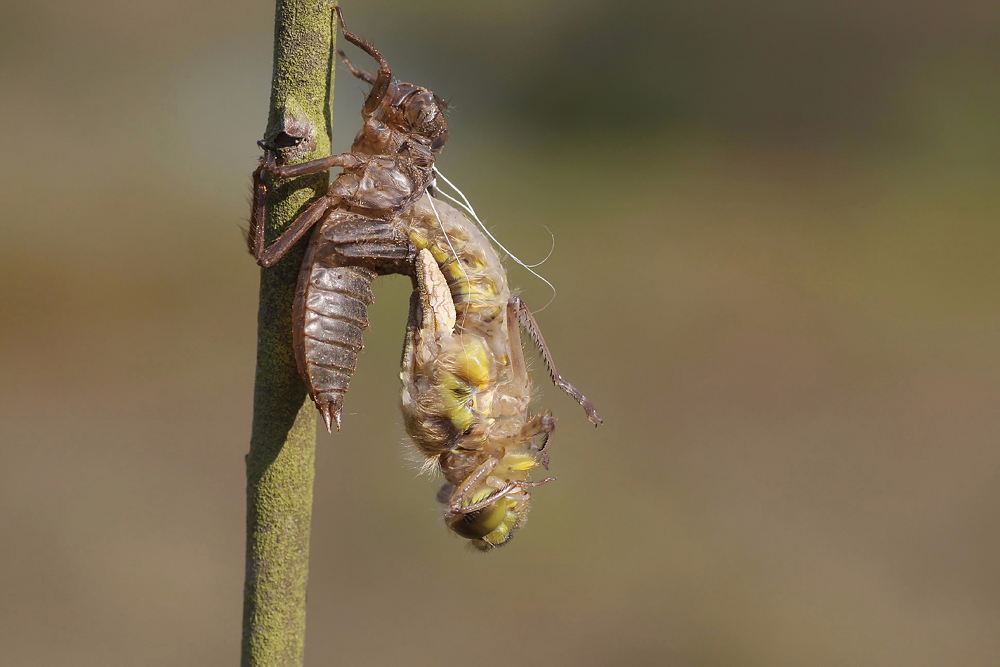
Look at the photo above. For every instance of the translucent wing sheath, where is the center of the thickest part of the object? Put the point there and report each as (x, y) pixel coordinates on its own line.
(465, 389)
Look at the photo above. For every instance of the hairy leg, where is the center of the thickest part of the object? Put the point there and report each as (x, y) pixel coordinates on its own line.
(463, 489)
(544, 424)
(518, 309)
(455, 505)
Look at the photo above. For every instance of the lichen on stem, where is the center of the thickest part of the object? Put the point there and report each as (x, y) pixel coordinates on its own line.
(280, 463)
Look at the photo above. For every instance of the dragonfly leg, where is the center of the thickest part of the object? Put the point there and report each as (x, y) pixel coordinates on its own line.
(517, 308)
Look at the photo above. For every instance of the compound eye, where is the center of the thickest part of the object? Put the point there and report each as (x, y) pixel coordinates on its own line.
(427, 114)
(476, 525)
(439, 143)
(419, 111)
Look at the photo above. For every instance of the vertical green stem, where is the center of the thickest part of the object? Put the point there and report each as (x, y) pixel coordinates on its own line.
(280, 464)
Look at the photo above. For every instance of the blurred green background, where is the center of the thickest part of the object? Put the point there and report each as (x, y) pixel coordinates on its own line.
(776, 254)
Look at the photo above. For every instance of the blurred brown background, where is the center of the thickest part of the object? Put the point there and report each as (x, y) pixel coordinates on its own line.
(777, 266)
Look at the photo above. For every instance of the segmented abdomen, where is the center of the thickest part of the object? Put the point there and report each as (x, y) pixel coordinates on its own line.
(330, 314)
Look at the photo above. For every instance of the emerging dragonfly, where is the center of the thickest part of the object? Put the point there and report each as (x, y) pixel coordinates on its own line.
(466, 389)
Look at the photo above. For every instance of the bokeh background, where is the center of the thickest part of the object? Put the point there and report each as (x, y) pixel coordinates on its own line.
(776, 255)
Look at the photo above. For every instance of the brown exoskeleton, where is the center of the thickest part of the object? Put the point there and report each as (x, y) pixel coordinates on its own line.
(358, 234)
(465, 385)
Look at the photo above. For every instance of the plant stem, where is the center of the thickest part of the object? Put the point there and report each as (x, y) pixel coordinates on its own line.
(280, 464)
